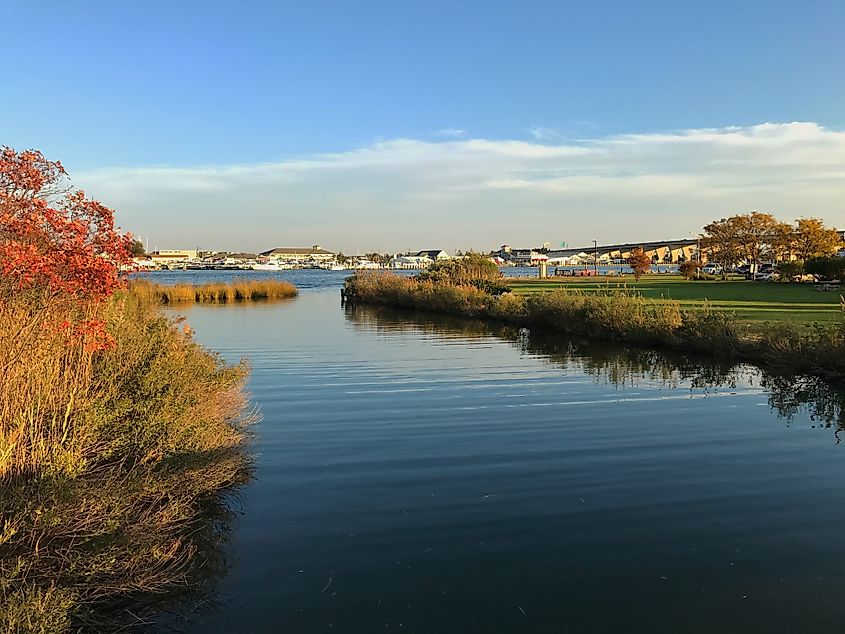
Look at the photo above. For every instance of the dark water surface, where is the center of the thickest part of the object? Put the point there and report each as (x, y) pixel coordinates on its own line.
(424, 474)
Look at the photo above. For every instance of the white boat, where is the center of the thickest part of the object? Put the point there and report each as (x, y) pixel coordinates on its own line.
(271, 266)
(337, 267)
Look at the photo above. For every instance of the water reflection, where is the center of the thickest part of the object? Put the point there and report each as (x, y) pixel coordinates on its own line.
(625, 366)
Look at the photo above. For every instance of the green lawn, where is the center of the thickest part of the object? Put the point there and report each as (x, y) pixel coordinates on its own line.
(752, 301)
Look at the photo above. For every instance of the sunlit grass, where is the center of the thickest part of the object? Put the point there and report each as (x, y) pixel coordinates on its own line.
(215, 292)
(751, 301)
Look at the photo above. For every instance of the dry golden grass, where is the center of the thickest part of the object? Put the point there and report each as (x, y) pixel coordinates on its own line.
(216, 292)
(108, 461)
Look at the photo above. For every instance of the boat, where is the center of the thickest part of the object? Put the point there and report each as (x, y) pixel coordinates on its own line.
(271, 266)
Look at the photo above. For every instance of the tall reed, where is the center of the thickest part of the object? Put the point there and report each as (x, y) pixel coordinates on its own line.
(109, 459)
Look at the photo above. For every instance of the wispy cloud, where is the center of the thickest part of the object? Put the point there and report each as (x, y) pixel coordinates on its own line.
(461, 193)
(450, 132)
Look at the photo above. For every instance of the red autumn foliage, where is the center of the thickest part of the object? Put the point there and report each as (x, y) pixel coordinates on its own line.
(59, 244)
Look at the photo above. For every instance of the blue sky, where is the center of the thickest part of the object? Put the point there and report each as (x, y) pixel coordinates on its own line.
(199, 88)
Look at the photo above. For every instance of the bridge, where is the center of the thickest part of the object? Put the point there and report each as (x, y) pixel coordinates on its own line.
(660, 251)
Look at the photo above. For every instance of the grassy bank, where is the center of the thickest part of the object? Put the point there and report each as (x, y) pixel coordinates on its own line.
(749, 301)
(114, 462)
(216, 292)
(623, 314)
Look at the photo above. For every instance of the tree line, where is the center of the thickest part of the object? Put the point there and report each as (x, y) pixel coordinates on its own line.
(756, 237)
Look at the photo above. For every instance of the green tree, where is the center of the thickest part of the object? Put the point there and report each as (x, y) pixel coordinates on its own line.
(137, 250)
(829, 268)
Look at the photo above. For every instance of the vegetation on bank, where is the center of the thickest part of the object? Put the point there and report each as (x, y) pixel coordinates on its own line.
(119, 435)
(215, 292)
(622, 314)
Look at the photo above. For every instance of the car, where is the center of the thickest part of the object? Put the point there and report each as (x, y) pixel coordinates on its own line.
(712, 269)
(769, 275)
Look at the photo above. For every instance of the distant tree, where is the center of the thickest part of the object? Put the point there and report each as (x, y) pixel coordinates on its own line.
(754, 234)
(690, 269)
(137, 250)
(814, 240)
(341, 259)
(640, 262)
(721, 243)
(782, 241)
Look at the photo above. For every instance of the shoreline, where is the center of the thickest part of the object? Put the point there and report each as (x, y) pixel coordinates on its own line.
(623, 316)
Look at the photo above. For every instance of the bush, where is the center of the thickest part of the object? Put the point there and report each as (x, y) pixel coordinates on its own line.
(465, 270)
(690, 269)
(829, 268)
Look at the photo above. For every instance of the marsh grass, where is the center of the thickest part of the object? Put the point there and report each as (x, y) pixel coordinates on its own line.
(109, 462)
(623, 314)
(215, 292)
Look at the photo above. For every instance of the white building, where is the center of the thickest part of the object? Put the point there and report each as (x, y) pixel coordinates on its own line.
(299, 254)
(411, 262)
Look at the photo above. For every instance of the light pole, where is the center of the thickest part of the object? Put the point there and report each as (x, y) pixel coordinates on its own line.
(595, 257)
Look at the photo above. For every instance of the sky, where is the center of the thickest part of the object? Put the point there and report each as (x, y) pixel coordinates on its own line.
(398, 125)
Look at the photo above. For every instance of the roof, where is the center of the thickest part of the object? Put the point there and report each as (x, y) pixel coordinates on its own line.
(296, 251)
(430, 253)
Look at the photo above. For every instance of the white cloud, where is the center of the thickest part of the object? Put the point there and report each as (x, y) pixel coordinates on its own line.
(462, 193)
(450, 132)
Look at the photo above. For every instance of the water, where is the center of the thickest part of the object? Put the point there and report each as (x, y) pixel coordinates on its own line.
(305, 278)
(426, 474)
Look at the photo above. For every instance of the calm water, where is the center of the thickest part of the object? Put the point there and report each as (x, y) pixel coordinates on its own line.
(431, 475)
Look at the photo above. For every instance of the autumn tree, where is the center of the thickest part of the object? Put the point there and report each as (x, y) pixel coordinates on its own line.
(814, 240)
(57, 247)
(720, 240)
(639, 262)
(782, 241)
(755, 232)
(690, 269)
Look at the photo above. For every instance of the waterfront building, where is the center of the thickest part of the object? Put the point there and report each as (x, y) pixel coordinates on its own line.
(433, 254)
(166, 257)
(299, 254)
(410, 262)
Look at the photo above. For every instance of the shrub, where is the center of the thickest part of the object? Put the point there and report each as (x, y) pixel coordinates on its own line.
(828, 268)
(464, 270)
(788, 270)
(690, 269)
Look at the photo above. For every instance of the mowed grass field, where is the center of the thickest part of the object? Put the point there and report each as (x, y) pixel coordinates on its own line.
(750, 301)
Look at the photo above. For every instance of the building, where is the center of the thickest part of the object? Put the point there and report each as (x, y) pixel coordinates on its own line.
(173, 256)
(433, 254)
(299, 254)
(411, 262)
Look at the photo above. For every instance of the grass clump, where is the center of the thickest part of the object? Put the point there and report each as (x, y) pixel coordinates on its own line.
(215, 292)
(112, 462)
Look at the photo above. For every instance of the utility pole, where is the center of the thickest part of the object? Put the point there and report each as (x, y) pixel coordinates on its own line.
(595, 257)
